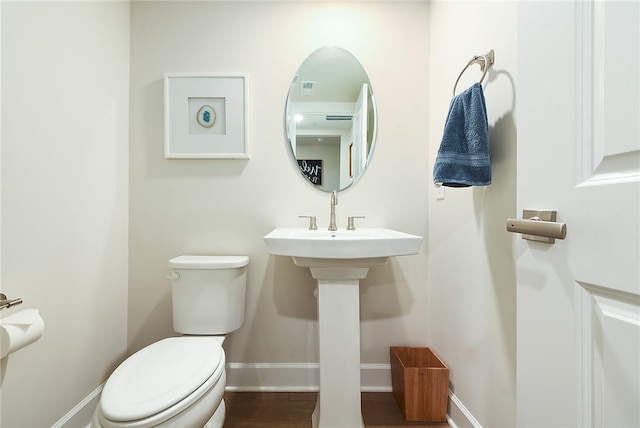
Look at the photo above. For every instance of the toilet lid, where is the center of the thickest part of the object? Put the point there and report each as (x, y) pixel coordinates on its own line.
(159, 376)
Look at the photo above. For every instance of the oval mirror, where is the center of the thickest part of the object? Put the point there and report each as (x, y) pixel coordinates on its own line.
(330, 118)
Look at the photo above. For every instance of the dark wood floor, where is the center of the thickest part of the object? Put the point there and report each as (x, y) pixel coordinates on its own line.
(293, 410)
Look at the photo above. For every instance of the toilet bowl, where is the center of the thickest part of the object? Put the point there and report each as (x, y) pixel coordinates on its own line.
(180, 381)
(173, 382)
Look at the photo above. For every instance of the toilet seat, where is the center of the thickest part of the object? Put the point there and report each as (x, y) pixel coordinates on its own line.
(163, 379)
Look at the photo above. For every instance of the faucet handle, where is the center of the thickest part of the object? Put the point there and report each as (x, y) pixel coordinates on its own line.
(350, 222)
(312, 221)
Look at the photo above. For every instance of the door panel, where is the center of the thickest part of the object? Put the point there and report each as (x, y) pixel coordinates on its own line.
(611, 356)
(616, 35)
(579, 153)
(609, 139)
(608, 143)
(609, 91)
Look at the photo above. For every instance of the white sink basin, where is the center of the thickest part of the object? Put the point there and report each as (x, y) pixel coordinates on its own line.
(341, 244)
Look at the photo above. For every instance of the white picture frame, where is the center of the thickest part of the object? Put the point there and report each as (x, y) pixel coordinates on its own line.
(206, 116)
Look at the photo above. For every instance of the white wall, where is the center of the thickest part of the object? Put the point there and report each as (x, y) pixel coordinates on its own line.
(65, 71)
(456, 296)
(471, 281)
(462, 305)
(227, 206)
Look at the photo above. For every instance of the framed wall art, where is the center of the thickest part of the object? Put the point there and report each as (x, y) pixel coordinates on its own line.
(206, 116)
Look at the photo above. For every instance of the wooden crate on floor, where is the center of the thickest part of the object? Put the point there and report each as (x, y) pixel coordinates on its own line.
(420, 382)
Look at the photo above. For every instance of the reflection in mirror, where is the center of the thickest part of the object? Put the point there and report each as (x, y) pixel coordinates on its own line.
(331, 118)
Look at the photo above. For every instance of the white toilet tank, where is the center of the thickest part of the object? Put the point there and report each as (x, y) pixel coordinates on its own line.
(208, 293)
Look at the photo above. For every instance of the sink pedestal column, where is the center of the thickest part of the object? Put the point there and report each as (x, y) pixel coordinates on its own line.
(338, 280)
(339, 348)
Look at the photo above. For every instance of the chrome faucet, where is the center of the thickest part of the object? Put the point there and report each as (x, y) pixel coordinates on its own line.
(332, 216)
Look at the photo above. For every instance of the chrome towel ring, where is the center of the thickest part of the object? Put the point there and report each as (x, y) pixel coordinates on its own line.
(484, 61)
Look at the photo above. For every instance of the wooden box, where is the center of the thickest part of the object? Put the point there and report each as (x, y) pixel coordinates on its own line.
(420, 383)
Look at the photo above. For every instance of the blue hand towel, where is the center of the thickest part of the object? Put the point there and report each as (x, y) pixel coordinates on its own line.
(463, 157)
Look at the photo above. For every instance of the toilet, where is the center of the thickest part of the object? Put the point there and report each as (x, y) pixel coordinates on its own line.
(180, 381)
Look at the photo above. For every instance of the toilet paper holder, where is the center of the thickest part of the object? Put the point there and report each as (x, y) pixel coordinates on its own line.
(7, 303)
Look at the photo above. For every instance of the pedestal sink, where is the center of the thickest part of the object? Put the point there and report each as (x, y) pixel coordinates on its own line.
(338, 260)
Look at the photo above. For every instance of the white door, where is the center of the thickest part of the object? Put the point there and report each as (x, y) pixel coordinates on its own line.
(578, 300)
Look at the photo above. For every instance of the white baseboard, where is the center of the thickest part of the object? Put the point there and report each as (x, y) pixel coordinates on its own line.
(290, 377)
(300, 377)
(81, 414)
(459, 415)
(282, 377)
